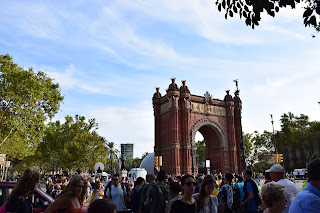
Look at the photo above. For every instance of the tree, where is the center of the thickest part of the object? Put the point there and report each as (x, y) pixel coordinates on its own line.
(27, 100)
(251, 10)
(73, 144)
(201, 153)
(112, 154)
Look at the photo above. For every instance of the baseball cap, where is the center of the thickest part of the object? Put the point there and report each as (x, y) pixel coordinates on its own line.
(276, 168)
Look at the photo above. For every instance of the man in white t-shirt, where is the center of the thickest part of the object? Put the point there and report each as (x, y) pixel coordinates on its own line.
(117, 194)
(277, 174)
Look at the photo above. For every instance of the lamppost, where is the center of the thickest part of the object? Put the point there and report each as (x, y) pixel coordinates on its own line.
(274, 137)
(191, 142)
(242, 142)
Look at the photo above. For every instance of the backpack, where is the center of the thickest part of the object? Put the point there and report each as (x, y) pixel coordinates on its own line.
(162, 193)
(256, 195)
(235, 207)
(135, 200)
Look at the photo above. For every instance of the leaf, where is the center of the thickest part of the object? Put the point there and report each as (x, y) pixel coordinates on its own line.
(318, 9)
(245, 14)
(235, 9)
(230, 13)
(313, 20)
(248, 21)
(238, 5)
(224, 4)
(219, 7)
(246, 8)
(276, 9)
(307, 12)
(226, 15)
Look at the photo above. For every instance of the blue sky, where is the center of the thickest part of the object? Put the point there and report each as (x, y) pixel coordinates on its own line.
(108, 57)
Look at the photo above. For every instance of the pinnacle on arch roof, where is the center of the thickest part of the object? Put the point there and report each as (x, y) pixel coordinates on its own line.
(184, 87)
(173, 86)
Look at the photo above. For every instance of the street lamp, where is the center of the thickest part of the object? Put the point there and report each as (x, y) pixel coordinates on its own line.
(191, 142)
(242, 143)
(274, 137)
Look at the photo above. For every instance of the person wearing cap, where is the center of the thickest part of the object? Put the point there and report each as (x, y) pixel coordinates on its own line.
(308, 200)
(277, 174)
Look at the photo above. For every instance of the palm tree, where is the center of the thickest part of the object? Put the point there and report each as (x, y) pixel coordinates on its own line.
(112, 153)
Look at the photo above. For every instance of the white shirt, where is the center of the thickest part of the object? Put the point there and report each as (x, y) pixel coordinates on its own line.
(291, 190)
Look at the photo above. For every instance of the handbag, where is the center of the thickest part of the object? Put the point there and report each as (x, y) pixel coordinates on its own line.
(3, 207)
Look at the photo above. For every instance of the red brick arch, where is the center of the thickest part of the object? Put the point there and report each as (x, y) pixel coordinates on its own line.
(217, 120)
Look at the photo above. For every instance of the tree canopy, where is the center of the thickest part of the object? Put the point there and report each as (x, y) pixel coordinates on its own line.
(27, 100)
(251, 10)
(73, 144)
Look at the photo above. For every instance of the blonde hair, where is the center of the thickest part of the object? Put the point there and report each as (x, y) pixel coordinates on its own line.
(271, 192)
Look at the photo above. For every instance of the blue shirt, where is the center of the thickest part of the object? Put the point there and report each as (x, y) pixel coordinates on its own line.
(308, 200)
(240, 185)
(251, 205)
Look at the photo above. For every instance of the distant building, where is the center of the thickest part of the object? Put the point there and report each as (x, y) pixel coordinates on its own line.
(127, 150)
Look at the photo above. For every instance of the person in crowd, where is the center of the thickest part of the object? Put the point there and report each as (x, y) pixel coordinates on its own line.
(277, 174)
(19, 200)
(71, 199)
(102, 206)
(57, 190)
(308, 200)
(158, 193)
(98, 192)
(117, 193)
(240, 185)
(186, 204)
(206, 202)
(49, 186)
(267, 177)
(151, 180)
(135, 195)
(200, 179)
(251, 199)
(229, 196)
(174, 190)
(273, 197)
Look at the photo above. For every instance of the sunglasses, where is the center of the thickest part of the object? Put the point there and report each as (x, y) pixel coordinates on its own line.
(191, 183)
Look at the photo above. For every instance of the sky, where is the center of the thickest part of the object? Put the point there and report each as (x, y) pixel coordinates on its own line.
(108, 57)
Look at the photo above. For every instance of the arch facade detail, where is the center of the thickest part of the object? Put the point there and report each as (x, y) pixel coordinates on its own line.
(179, 115)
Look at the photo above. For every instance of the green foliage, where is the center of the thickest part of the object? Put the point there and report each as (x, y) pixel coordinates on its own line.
(200, 153)
(112, 157)
(27, 100)
(73, 144)
(251, 10)
(261, 166)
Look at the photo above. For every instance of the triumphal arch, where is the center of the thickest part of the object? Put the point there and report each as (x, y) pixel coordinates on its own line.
(179, 115)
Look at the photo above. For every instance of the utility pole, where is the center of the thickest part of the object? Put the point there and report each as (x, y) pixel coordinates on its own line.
(274, 137)
(242, 143)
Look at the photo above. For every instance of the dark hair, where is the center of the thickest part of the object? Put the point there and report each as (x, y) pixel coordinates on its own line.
(209, 179)
(116, 175)
(314, 169)
(170, 179)
(184, 178)
(248, 172)
(151, 178)
(229, 177)
(175, 187)
(102, 206)
(97, 184)
(26, 184)
(240, 178)
(161, 176)
(140, 180)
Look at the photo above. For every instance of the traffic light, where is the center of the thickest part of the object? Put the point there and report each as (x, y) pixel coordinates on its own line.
(280, 158)
(275, 156)
(156, 162)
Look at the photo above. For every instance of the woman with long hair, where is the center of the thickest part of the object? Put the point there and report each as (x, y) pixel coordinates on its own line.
(20, 200)
(208, 203)
(71, 199)
(186, 204)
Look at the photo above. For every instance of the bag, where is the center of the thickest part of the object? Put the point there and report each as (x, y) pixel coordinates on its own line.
(3, 208)
(135, 200)
(163, 194)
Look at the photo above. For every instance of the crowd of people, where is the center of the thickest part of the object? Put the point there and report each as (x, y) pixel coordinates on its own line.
(227, 193)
